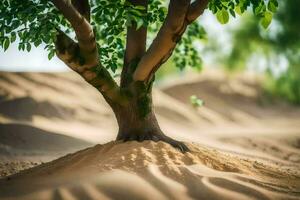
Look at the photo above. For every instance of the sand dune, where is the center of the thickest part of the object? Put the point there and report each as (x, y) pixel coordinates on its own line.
(239, 100)
(31, 107)
(27, 138)
(23, 146)
(155, 170)
(242, 147)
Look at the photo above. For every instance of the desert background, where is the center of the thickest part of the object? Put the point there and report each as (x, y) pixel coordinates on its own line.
(242, 145)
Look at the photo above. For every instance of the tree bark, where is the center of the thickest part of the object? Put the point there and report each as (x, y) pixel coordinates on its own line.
(135, 46)
(165, 41)
(137, 120)
(180, 14)
(82, 56)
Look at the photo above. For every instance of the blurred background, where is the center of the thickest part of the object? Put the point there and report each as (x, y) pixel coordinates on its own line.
(243, 98)
(244, 46)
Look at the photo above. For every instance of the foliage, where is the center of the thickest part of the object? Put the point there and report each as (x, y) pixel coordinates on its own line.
(261, 8)
(286, 86)
(186, 55)
(196, 102)
(246, 39)
(35, 22)
(281, 41)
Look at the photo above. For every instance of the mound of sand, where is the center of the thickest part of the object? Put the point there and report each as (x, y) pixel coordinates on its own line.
(23, 146)
(22, 137)
(151, 170)
(31, 107)
(235, 101)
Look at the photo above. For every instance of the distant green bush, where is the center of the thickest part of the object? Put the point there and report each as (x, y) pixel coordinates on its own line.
(281, 41)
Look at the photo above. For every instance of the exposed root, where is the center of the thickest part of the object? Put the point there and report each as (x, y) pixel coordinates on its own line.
(156, 137)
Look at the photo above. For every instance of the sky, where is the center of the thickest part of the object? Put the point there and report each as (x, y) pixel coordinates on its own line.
(37, 60)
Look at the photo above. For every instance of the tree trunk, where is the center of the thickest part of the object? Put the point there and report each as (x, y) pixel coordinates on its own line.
(133, 126)
(137, 120)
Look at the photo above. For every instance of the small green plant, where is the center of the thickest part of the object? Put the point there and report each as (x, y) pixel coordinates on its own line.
(196, 102)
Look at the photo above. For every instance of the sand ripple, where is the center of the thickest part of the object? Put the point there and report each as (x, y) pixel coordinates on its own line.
(151, 170)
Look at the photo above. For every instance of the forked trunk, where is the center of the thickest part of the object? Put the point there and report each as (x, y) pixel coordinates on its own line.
(131, 101)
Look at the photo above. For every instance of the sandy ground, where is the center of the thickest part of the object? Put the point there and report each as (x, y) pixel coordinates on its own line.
(242, 145)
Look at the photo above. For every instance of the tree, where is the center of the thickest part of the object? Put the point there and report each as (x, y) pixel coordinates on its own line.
(96, 37)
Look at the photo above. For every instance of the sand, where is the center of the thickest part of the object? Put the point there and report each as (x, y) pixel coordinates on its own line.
(242, 147)
(151, 170)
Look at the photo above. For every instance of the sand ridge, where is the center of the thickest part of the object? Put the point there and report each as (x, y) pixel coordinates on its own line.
(204, 172)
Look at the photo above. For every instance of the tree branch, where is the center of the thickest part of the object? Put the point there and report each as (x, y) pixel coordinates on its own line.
(180, 15)
(135, 45)
(166, 39)
(67, 50)
(82, 57)
(83, 8)
(196, 9)
(82, 28)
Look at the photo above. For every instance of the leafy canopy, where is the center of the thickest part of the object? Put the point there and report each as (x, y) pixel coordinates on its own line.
(36, 21)
(280, 42)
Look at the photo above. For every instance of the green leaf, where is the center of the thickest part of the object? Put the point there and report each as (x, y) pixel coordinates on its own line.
(51, 54)
(195, 101)
(139, 23)
(223, 16)
(28, 47)
(259, 9)
(110, 39)
(238, 10)
(13, 37)
(266, 20)
(272, 5)
(232, 12)
(37, 42)
(140, 7)
(21, 46)
(136, 12)
(6, 44)
(129, 21)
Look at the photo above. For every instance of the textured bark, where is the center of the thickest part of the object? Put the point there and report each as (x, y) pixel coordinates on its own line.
(82, 57)
(196, 9)
(81, 26)
(84, 34)
(135, 47)
(180, 14)
(134, 126)
(83, 8)
(137, 120)
(165, 41)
